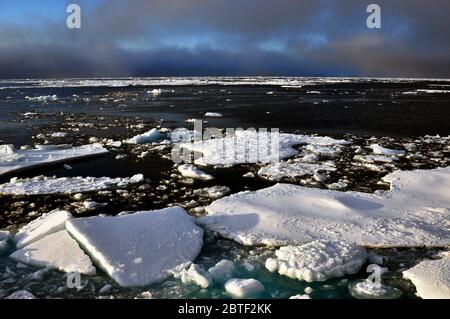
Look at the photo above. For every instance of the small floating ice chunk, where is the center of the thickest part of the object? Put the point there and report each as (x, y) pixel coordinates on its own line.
(164, 241)
(380, 150)
(43, 98)
(39, 228)
(13, 161)
(196, 275)
(147, 137)
(56, 251)
(21, 294)
(213, 114)
(431, 278)
(155, 92)
(318, 260)
(58, 134)
(64, 185)
(222, 271)
(244, 288)
(190, 171)
(300, 297)
(366, 289)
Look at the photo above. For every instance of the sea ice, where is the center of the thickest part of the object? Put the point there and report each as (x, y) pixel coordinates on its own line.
(431, 278)
(13, 161)
(366, 289)
(300, 297)
(148, 137)
(55, 251)
(190, 171)
(39, 228)
(21, 294)
(380, 150)
(222, 271)
(43, 98)
(244, 288)
(64, 185)
(141, 248)
(318, 260)
(253, 147)
(196, 275)
(410, 214)
(214, 192)
(213, 114)
(278, 171)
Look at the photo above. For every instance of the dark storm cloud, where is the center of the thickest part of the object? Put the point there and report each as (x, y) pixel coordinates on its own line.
(233, 37)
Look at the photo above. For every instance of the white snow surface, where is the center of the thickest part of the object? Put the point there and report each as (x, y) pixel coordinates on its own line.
(141, 248)
(56, 251)
(244, 288)
(39, 228)
(42, 185)
(13, 161)
(249, 146)
(431, 278)
(190, 171)
(413, 213)
(147, 137)
(318, 260)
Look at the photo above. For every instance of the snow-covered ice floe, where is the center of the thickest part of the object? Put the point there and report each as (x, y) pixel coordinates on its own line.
(147, 137)
(141, 248)
(318, 260)
(431, 278)
(56, 251)
(190, 171)
(413, 213)
(244, 288)
(41, 185)
(39, 228)
(16, 160)
(253, 147)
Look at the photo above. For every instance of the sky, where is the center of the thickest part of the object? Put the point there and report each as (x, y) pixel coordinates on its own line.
(224, 38)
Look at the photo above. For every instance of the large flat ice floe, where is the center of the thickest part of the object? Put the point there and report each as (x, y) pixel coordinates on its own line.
(141, 248)
(431, 278)
(17, 160)
(253, 147)
(41, 185)
(56, 251)
(318, 260)
(413, 213)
